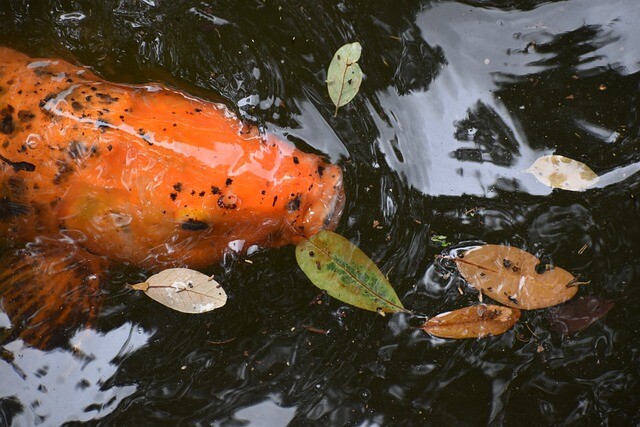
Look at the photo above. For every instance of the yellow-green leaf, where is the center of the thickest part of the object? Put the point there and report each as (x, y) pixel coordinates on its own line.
(184, 290)
(344, 75)
(337, 266)
(513, 277)
(472, 322)
(563, 172)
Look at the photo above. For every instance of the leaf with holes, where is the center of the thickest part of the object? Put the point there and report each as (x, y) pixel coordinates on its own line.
(563, 172)
(184, 290)
(336, 265)
(344, 75)
(515, 278)
(472, 322)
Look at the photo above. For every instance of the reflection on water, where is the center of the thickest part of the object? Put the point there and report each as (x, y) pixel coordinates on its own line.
(459, 98)
(57, 386)
(470, 113)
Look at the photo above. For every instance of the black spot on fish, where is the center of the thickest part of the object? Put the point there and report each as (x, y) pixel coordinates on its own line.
(17, 185)
(296, 160)
(228, 182)
(10, 208)
(321, 170)
(77, 106)
(177, 186)
(275, 199)
(19, 166)
(6, 120)
(201, 194)
(88, 98)
(194, 225)
(294, 204)
(228, 202)
(64, 169)
(77, 150)
(25, 115)
(46, 99)
(107, 98)
(40, 72)
(173, 196)
(109, 147)
(215, 190)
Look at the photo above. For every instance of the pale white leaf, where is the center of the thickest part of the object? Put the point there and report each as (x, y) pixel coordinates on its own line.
(562, 172)
(184, 290)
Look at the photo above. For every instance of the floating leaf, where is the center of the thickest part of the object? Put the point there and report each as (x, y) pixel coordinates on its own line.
(515, 278)
(184, 290)
(563, 172)
(473, 322)
(336, 265)
(344, 75)
(441, 240)
(577, 314)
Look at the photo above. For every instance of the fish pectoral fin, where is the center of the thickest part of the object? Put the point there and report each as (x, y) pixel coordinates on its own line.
(50, 292)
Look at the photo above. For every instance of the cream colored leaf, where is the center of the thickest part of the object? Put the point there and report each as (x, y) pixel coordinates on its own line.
(184, 290)
(563, 172)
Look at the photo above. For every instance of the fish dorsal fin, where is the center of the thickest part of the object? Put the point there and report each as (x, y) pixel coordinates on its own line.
(50, 291)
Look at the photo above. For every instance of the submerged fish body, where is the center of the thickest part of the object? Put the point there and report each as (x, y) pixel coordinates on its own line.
(145, 175)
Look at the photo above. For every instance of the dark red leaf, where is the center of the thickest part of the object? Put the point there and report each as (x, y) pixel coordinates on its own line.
(577, 314)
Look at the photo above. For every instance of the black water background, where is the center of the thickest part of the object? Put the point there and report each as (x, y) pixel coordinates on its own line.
(458, 99)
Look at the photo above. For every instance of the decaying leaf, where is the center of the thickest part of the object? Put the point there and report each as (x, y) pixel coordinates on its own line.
(577, 314)
(563, 172)
(473, 322)
(344, 75)
(509, 275)
(184, 290)
(336, 265)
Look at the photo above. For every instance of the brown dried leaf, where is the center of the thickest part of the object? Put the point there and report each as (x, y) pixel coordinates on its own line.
(473, 322)
(578, 314)
(508, 275)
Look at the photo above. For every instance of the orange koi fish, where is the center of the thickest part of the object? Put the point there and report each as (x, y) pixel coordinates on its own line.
(94, 173)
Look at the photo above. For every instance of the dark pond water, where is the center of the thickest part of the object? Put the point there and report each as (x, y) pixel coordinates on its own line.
(459, 99)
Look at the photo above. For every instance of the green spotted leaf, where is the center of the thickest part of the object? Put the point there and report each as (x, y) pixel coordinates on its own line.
(337, 266)
(344, 75)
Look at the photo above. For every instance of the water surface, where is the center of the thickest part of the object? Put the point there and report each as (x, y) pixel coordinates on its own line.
(459, 98)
